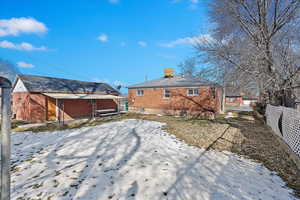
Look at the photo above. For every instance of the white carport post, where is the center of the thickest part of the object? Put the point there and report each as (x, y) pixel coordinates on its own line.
(5, 85)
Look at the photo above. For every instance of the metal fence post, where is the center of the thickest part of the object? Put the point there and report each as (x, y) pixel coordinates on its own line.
(5, 137)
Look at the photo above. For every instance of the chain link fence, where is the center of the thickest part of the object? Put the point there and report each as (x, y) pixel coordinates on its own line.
(285, 122)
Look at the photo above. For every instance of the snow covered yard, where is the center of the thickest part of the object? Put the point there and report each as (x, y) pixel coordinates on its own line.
(132, 159)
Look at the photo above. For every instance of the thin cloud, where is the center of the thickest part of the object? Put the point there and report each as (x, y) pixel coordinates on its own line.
(102, 38)
(24, 46)
(188, 41)
(142, 43)
(25, 65)
(17, 26)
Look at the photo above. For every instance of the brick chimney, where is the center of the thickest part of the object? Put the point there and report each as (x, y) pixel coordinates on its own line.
(168, 72)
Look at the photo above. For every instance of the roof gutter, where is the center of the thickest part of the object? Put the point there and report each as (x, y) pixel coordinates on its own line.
(184, 86)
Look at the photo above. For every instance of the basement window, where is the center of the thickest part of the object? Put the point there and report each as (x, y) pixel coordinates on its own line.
(193, 92)
(140, 92)
(167, 94)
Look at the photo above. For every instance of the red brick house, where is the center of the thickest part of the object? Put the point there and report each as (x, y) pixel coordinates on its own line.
(175, 94)
(234, 97)
(39, 99)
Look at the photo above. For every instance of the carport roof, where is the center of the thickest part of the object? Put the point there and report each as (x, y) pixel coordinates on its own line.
(80, 96)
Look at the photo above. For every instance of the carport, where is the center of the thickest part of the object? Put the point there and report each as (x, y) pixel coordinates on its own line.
(40, 99)
(60, 105)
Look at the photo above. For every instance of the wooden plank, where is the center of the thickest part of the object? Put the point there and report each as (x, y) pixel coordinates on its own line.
(51, 109)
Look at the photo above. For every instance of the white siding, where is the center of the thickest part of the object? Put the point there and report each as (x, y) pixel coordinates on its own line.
(20, 87)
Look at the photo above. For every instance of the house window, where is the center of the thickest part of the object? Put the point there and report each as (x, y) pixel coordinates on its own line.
(167, 94)
(140, 92)
(193, 92)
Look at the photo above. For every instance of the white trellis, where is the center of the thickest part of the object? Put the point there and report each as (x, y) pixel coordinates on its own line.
(285, 122)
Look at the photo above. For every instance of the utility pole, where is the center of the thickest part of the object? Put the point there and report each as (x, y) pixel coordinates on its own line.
(224, 99)
(224, 90)
(5, 85)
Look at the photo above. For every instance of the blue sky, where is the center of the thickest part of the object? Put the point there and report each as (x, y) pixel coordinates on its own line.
(100, 40)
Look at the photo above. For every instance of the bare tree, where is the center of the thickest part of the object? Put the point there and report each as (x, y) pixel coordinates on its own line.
(254, 44)
(188, 66)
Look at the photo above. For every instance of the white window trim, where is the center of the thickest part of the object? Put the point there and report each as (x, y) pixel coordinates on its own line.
(164, 94)
(192, 95)
(137, 93)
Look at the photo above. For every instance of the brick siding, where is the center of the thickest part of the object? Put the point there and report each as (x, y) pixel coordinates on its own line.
(29, 106)
(32, 107)
(153, 99)
(237, 102)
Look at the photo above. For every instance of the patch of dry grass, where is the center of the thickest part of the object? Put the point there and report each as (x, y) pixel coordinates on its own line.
(259, 143)
(243, 135)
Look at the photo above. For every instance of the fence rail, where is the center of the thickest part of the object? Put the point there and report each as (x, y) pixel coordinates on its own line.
(285, 122)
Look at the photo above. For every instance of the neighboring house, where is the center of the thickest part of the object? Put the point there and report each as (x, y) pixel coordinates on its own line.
(175, 94)
(39, 99)
(234, 97)
(249, 100)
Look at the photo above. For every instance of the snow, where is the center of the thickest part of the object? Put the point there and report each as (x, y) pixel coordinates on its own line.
(133, 159)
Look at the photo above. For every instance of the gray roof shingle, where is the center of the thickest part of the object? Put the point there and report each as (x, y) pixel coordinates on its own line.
(176, 81)
(49, 84)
